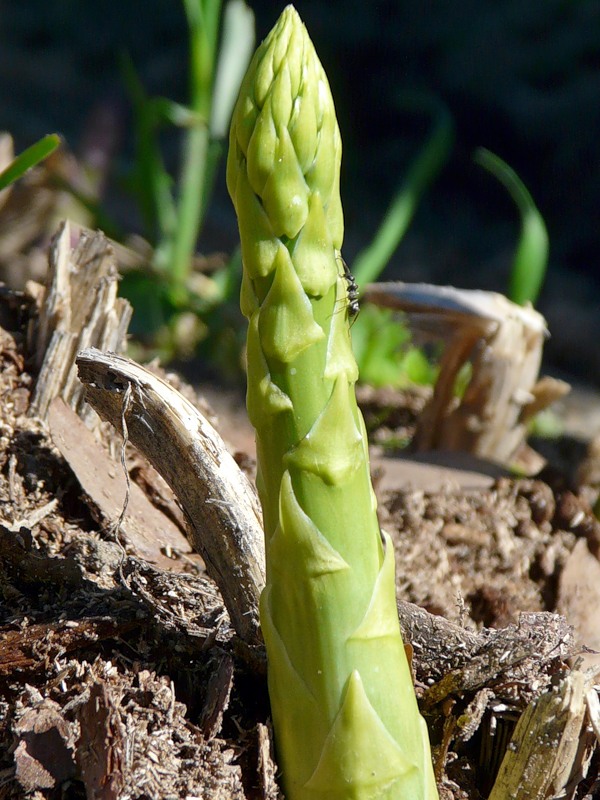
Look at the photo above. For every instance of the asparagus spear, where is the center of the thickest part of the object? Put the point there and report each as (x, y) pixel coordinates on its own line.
(344, 710)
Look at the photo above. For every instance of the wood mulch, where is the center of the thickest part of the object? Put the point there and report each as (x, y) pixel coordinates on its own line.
(121, 675)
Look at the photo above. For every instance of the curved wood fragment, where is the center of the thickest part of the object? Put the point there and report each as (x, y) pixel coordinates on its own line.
(219, 502)
(503, 344)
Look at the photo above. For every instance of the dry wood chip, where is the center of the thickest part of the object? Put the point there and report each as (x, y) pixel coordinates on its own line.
(32, 647)
(187, 603)
(435, 471)
(101, 747)
(266, 765)
(579, 600)
(501, 341)
(79, 308)
(218, 692)
(44, 754)
(145, 529)
(518, 651)
(544, 752)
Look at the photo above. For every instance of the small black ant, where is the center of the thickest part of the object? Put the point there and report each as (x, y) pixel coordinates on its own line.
(353, 304)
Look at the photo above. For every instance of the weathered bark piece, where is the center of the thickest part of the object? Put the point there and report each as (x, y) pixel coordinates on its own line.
(537, 639)
(44, 754)
(544, 758)
(31, 648)
(224, 514)
(579, 600)
(460, 660)
(218, 692)
(179, 603)
(503, 343)
(101, 746)
(269, 790)
(79, 308)
(7, 153)
(145, 530)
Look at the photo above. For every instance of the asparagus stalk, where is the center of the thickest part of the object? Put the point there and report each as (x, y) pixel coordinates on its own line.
(344, 710)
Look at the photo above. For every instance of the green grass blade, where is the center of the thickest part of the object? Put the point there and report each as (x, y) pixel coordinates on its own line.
(165, 110)
(237, 46)
(152, 182)
(531, 257)
(370, 263)
(29, 158)
(203, 24)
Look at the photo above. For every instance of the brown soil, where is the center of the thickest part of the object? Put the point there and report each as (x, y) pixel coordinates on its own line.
(121, 676)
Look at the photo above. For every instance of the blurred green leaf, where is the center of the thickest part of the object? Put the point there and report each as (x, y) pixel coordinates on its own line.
(152, 308)
(546, 425)
(29, 158)
(531, 257)
(237, 46)
(174, 207)
(381, 345)
(417, 367)
(152, 184)
(165, 110)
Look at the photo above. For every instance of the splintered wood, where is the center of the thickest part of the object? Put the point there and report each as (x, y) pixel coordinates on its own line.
(78, 308)
(503, 344)
(550, 748)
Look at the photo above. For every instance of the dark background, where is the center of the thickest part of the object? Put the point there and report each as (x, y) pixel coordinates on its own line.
(520, 77)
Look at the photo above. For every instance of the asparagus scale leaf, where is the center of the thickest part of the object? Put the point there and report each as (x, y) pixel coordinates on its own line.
(344, 710)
